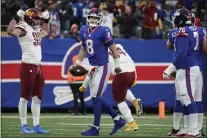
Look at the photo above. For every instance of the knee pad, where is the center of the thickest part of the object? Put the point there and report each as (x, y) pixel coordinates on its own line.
(36, 100)
(185, 99)
(23, 100)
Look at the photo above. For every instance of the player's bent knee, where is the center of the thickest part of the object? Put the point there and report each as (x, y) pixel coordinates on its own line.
(36, 100)
(23, 100)
(185, 99)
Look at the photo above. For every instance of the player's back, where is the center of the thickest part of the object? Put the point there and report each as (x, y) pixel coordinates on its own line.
(190, 60)
(95, 43)
(126, 63)
(30, 44)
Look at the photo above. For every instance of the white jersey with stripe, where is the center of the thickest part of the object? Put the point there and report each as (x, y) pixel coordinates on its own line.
(126, 62)
(30, 43)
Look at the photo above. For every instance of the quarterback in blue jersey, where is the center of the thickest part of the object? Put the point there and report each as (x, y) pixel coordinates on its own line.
(178, 108)
(186, 66)
(95, 41)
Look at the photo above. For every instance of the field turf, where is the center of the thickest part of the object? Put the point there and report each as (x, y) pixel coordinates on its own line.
(65, 125)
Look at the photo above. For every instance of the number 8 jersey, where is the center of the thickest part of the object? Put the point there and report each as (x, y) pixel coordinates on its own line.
(96, 43)
(30, 43)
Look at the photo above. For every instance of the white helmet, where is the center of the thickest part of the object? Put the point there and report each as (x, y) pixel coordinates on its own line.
(96, 13)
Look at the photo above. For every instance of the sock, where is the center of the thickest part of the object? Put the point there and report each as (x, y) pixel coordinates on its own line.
(23, 111)
(125, 111)
(176, 120)
(193, 115)
(129, 96)
(177, 115)
(200, 115)
(186, 118)
(35, 108)
(109, 110)
(97, 109)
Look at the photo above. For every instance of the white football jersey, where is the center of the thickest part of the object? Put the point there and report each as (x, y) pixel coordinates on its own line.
(30, 44)
(126, 63)
(108, 21)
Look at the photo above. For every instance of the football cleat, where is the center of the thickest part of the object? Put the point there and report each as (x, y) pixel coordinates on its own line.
(201, 133)
(138, 106)
(132, 127)
(173, 131)
(26, 130)
(93, 131)
(182, 132)
(117, 125)
(192, 133)
(39, 130)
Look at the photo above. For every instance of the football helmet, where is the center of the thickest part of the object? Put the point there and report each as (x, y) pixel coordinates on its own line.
(32, 17)
(94, 17)
(182, 17)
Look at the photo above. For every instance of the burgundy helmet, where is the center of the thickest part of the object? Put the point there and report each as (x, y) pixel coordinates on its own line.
(32, 17)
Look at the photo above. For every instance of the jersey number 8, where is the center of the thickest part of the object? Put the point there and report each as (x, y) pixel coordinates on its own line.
(89, 45)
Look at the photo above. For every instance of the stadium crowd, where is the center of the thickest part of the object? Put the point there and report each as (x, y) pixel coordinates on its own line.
(129, 19)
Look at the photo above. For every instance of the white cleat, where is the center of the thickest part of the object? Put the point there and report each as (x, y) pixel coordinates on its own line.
(181, 133)
(193, 133)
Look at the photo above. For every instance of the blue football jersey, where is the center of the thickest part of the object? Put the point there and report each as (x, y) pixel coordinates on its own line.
(77, 9)
(96, 43)
(186, 44)
(199, 53)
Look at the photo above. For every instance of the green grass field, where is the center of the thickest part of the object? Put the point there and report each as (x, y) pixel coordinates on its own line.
(65, 125)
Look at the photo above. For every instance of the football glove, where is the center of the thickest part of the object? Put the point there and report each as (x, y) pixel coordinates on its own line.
(166, 74)
(82, 89)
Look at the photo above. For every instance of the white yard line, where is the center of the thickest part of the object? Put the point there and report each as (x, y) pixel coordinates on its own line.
(68, 116)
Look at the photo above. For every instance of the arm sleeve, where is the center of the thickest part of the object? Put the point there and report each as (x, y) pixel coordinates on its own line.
(182, 48)
(108, 39)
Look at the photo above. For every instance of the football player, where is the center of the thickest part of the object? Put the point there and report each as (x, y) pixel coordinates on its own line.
(185, 64)
(178, 108)
(26, 27)
(95, 41)
(120, 94)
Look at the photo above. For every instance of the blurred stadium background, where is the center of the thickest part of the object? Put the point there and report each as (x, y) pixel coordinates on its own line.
(143, 40)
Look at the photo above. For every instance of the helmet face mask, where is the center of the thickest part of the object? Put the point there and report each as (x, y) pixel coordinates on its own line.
(94, 17)
(32, 18)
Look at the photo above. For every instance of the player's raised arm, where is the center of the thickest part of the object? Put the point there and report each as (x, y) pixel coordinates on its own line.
(15, 29)
(45, 18)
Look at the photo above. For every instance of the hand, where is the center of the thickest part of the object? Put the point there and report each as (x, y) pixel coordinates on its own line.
(166, 74)
(117, 70)
(20, 13)
(45, 16)
(173, 75)
(82, 89)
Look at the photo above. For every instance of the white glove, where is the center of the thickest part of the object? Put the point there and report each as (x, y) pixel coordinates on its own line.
(170, 69)
(20, 13)
(45, 15)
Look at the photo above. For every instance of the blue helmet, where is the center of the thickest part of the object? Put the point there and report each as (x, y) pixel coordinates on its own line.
(182, 17)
